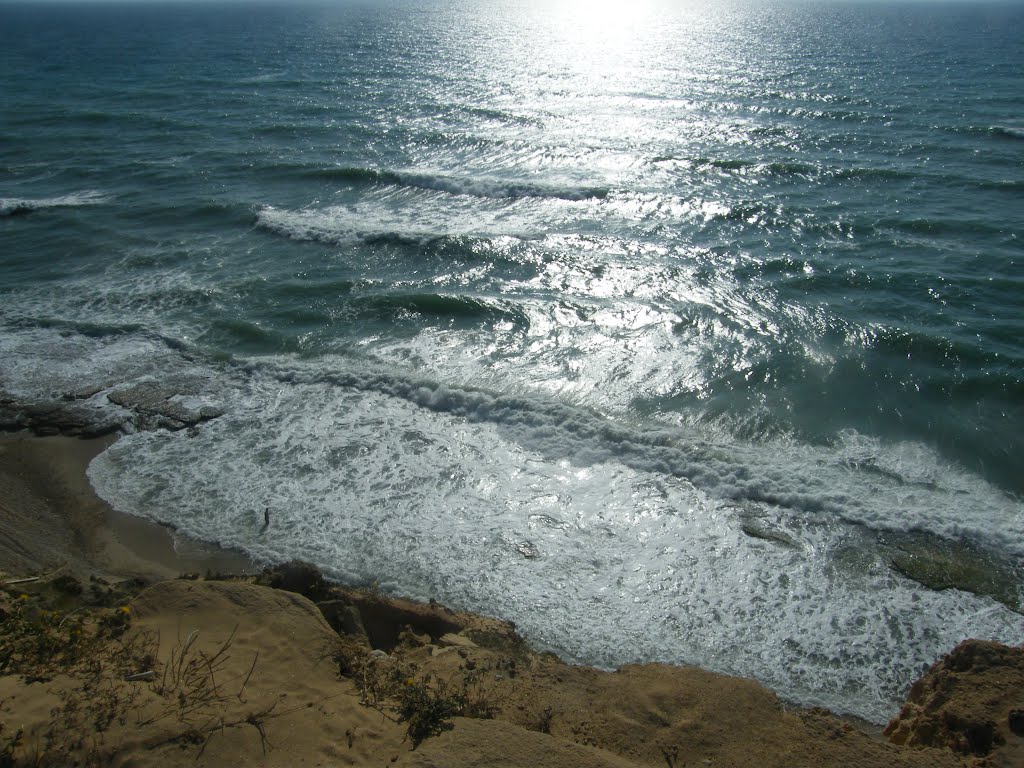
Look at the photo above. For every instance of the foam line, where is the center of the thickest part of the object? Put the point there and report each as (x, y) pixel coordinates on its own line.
(473, 186)
(15, 206)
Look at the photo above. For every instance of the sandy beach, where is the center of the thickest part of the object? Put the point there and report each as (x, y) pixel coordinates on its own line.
(278, 668)
(51, 518)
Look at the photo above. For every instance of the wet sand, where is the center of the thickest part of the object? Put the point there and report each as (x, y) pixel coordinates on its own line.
(50, 519)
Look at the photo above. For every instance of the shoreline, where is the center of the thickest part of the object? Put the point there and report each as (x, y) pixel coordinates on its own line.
(91, 537)
(52, 519)
(52, 524)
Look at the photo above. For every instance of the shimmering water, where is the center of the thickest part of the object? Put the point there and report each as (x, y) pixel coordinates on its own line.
(672, 331)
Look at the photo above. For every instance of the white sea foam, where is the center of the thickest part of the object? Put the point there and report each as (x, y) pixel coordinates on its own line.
(419, 216)
(895, 487)
(415, 222)
(640, 530)
(436, 492)
(1009, 131)
(10, 206)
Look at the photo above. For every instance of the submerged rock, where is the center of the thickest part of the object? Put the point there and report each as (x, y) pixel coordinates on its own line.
(145, 405)
(56, 417)
(527, 549)
(761, 531)
(939, 564)
(154, 406)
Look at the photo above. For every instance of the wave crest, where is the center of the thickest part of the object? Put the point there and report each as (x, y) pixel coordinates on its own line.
(475, 186)
(18, 206)
(1008, 131)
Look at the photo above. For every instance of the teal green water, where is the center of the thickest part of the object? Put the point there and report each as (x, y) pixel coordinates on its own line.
(712, 311)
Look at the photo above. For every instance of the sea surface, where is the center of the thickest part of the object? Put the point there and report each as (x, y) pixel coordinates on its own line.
(685, 332)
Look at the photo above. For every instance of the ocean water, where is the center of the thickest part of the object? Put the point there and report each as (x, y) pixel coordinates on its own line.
(687, 332)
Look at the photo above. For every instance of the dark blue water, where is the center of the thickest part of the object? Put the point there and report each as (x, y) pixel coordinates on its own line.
(678, 332)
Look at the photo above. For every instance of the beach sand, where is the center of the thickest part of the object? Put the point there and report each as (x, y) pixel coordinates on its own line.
(290, 671)
(50, 518)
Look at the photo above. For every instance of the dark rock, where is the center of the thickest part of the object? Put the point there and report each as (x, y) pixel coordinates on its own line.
(56, 418)
(67, 584)
(154, 407)
(527, 549)
(296, 576)
(387, 619)
(410, 638)
(497, 636)
(344, 618)
(85, 393)
(1016, 721)
(962, 701)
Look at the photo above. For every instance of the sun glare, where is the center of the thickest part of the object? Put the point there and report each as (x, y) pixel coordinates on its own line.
(601, 29)
(605, 17)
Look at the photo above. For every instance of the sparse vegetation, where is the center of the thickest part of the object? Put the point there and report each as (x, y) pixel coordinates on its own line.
(90, 647)
(116, 679)
(8, 745)
(38, 643)
(544, 722)
(197, 702)
(428, 706)
(424, 703)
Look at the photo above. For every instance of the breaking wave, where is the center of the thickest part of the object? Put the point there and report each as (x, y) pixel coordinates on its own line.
(17, 206)
(717, 549)
(1007, 131)
(788, 475)
(473, 186)
(343, 225)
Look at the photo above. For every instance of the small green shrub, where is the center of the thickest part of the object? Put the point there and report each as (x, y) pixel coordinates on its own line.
(39, 643)
(428, 707)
